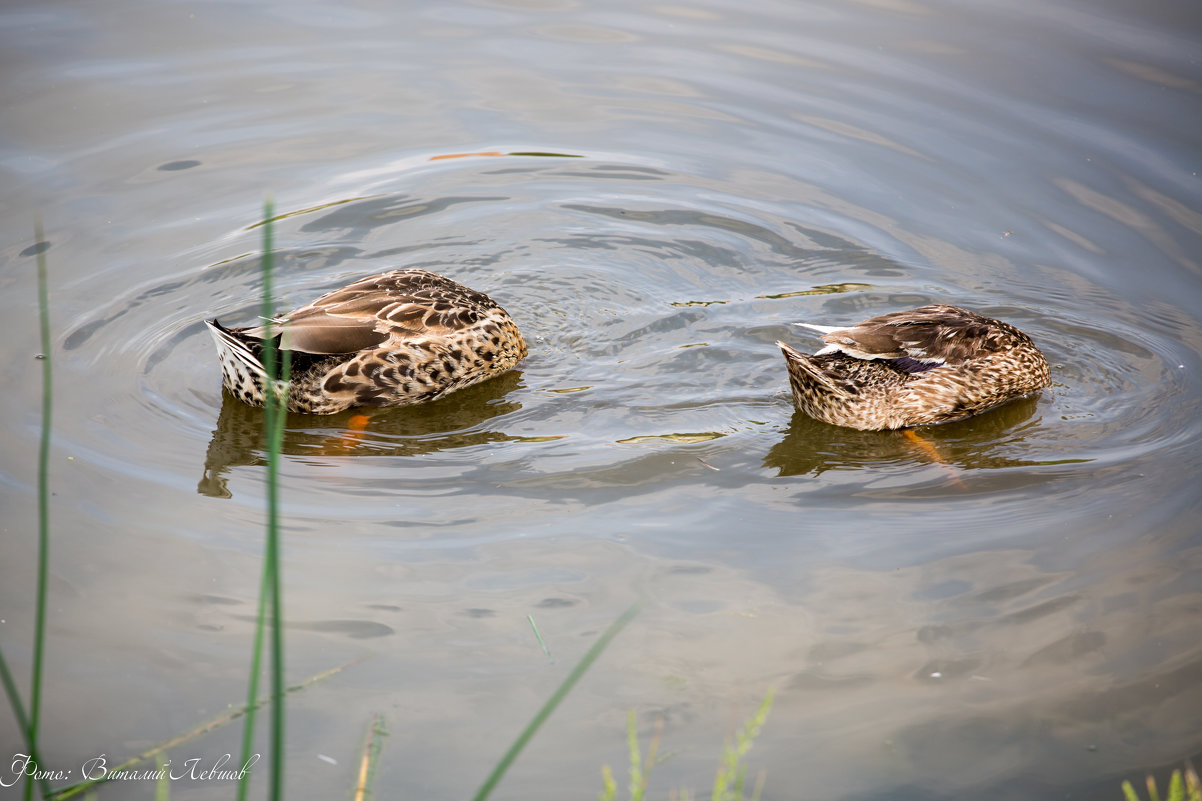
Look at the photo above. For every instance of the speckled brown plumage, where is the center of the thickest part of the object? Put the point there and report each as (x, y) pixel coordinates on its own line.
(401, 337)
(927, 365)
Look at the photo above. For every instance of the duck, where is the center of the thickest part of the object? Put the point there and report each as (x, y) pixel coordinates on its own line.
(912, 368)
(397, 338)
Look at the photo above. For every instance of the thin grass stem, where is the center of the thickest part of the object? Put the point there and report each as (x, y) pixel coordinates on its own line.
(43, 575)
(14, 700)
(270, 591)
(370, 758)
(162, 787)
(248, 723)
(539, 637)
(732, 770)
(638, 782)
(276, 413)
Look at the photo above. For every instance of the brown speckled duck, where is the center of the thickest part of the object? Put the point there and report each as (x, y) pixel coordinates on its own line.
(927, 365)
(401, 337)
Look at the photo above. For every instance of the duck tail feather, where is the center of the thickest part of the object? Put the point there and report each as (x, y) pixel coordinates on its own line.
(802, 368)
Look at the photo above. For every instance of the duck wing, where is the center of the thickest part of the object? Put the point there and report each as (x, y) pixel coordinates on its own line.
(930, 335)
(402, 304)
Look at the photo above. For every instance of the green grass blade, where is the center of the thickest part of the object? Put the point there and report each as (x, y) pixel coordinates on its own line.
(1183, 786)
(270, 591)
(29, 723)
(43, 579)
(162, 787)
(732, 770)
(638, 766)
(276, 413)
(275, 422)
(546, 650)
(256, 666)
(1176, 787)
(370, 758)
(609, 787)
(14, 700)
(554, 701)
(637, 783)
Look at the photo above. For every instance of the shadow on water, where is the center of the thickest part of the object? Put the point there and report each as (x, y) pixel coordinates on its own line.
(446, 424)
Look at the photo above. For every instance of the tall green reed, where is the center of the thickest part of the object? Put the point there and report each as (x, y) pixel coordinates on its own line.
(30, 721)
(270, 586)
(39, 648)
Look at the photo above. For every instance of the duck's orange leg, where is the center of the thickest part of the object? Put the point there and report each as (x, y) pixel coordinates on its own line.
(932, 453)
(356, 425)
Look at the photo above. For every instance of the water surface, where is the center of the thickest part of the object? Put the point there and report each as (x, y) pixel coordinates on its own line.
(1006, 608)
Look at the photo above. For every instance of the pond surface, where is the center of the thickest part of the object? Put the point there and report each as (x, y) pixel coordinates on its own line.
(1006, 608)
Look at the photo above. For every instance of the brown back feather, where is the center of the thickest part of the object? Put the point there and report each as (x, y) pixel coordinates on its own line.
(944, 333)
(363, 314)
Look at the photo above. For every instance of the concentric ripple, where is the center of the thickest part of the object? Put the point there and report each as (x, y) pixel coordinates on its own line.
(651, 301)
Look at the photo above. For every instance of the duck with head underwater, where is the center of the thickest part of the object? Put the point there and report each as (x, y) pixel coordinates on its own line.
(401, 337)
(927, 365)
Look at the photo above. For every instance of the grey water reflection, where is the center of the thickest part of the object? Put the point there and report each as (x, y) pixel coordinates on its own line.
(985, 441)
(992, 440)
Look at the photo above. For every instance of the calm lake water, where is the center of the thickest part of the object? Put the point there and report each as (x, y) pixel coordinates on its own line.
(1009, 609)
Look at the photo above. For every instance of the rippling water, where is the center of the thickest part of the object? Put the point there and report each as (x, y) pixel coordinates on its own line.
(1006, 606)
